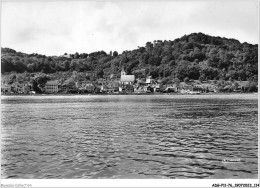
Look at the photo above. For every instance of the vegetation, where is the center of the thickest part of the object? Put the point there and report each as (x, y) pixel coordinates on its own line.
(192, 57)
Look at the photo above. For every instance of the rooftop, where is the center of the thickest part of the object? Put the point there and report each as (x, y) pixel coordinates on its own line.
(53, 82)
(127, 78)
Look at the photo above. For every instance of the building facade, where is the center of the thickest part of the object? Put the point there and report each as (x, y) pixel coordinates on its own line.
(127, 79)
(5, 88)
(52, 87)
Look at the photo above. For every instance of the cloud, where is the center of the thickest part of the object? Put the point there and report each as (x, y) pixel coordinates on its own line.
(234, 19)
(53, 28)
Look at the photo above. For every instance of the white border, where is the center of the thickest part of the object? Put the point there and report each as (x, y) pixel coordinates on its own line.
(129, 182)
(126, 182)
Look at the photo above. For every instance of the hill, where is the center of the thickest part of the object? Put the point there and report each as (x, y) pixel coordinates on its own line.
(195, 56)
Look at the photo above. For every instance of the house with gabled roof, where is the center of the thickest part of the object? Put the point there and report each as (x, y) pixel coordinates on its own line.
(127, 79)
(52, 86)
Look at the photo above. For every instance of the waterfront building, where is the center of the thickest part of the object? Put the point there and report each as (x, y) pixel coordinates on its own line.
(126, 88)
(149, 80)
(52, 86)
(148, 89)
(104, 88)
(5, 88)
(171, 89)
(127, 79)
(120, 89)
(129, 88)
(110, 87)
(157, 88)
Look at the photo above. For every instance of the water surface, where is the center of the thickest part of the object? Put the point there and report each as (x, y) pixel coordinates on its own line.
(156, 136)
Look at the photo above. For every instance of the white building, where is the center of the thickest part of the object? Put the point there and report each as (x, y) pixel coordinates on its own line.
(148, 80)
(6, 88)
(127, 79)
(52, 87)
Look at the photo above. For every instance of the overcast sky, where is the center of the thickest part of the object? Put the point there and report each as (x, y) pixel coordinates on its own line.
(53, 28)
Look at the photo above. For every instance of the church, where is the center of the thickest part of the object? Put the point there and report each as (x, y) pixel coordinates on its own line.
(127, 79)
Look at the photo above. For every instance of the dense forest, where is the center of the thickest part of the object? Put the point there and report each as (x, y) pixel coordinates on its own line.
(196, 56)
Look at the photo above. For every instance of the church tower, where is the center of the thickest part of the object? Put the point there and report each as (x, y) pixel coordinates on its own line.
(123, 72)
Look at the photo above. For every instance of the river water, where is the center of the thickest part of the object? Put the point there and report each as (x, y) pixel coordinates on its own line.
(129, 136)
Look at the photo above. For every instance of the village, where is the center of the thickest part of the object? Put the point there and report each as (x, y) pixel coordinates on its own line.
(126, 84)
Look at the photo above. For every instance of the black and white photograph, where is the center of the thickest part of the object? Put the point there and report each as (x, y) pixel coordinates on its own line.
(121, 93)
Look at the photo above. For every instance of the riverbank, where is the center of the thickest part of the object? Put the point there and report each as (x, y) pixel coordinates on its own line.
(178, 95)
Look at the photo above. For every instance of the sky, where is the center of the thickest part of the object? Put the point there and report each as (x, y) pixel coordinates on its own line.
(56, 27)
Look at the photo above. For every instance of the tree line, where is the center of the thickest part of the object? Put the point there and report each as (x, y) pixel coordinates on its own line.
(196, 56)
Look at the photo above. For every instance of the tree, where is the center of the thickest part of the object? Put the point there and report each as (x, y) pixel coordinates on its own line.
(154, 72)
(201, 78)
(11, 79)
(30, 67)
(251, 85)
(193, 71)
(100, 73)
(231, 79)
(84, 55)
(149, 46)
(236, 85)
(74, 65)
(165, 81)
(189, 56)
(177, 82)
(181, 70)
(197, 54)
(186, 79)
(66, 65)
(154, 61)
(35, 86)
(213, 55)
(76, 55)
(42, 80)
(70, 84)
(20, 78)
(115, 54)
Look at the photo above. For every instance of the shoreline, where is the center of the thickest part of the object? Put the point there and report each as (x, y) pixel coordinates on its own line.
(179, 95)
(69, 94)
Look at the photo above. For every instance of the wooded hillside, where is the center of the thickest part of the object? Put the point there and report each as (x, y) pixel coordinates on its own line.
(195, 56)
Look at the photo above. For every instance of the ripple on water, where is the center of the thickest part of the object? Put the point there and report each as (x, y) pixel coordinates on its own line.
(129, 137)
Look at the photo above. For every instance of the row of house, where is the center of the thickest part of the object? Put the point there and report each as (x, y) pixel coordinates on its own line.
(16, 88)
(124, 84)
